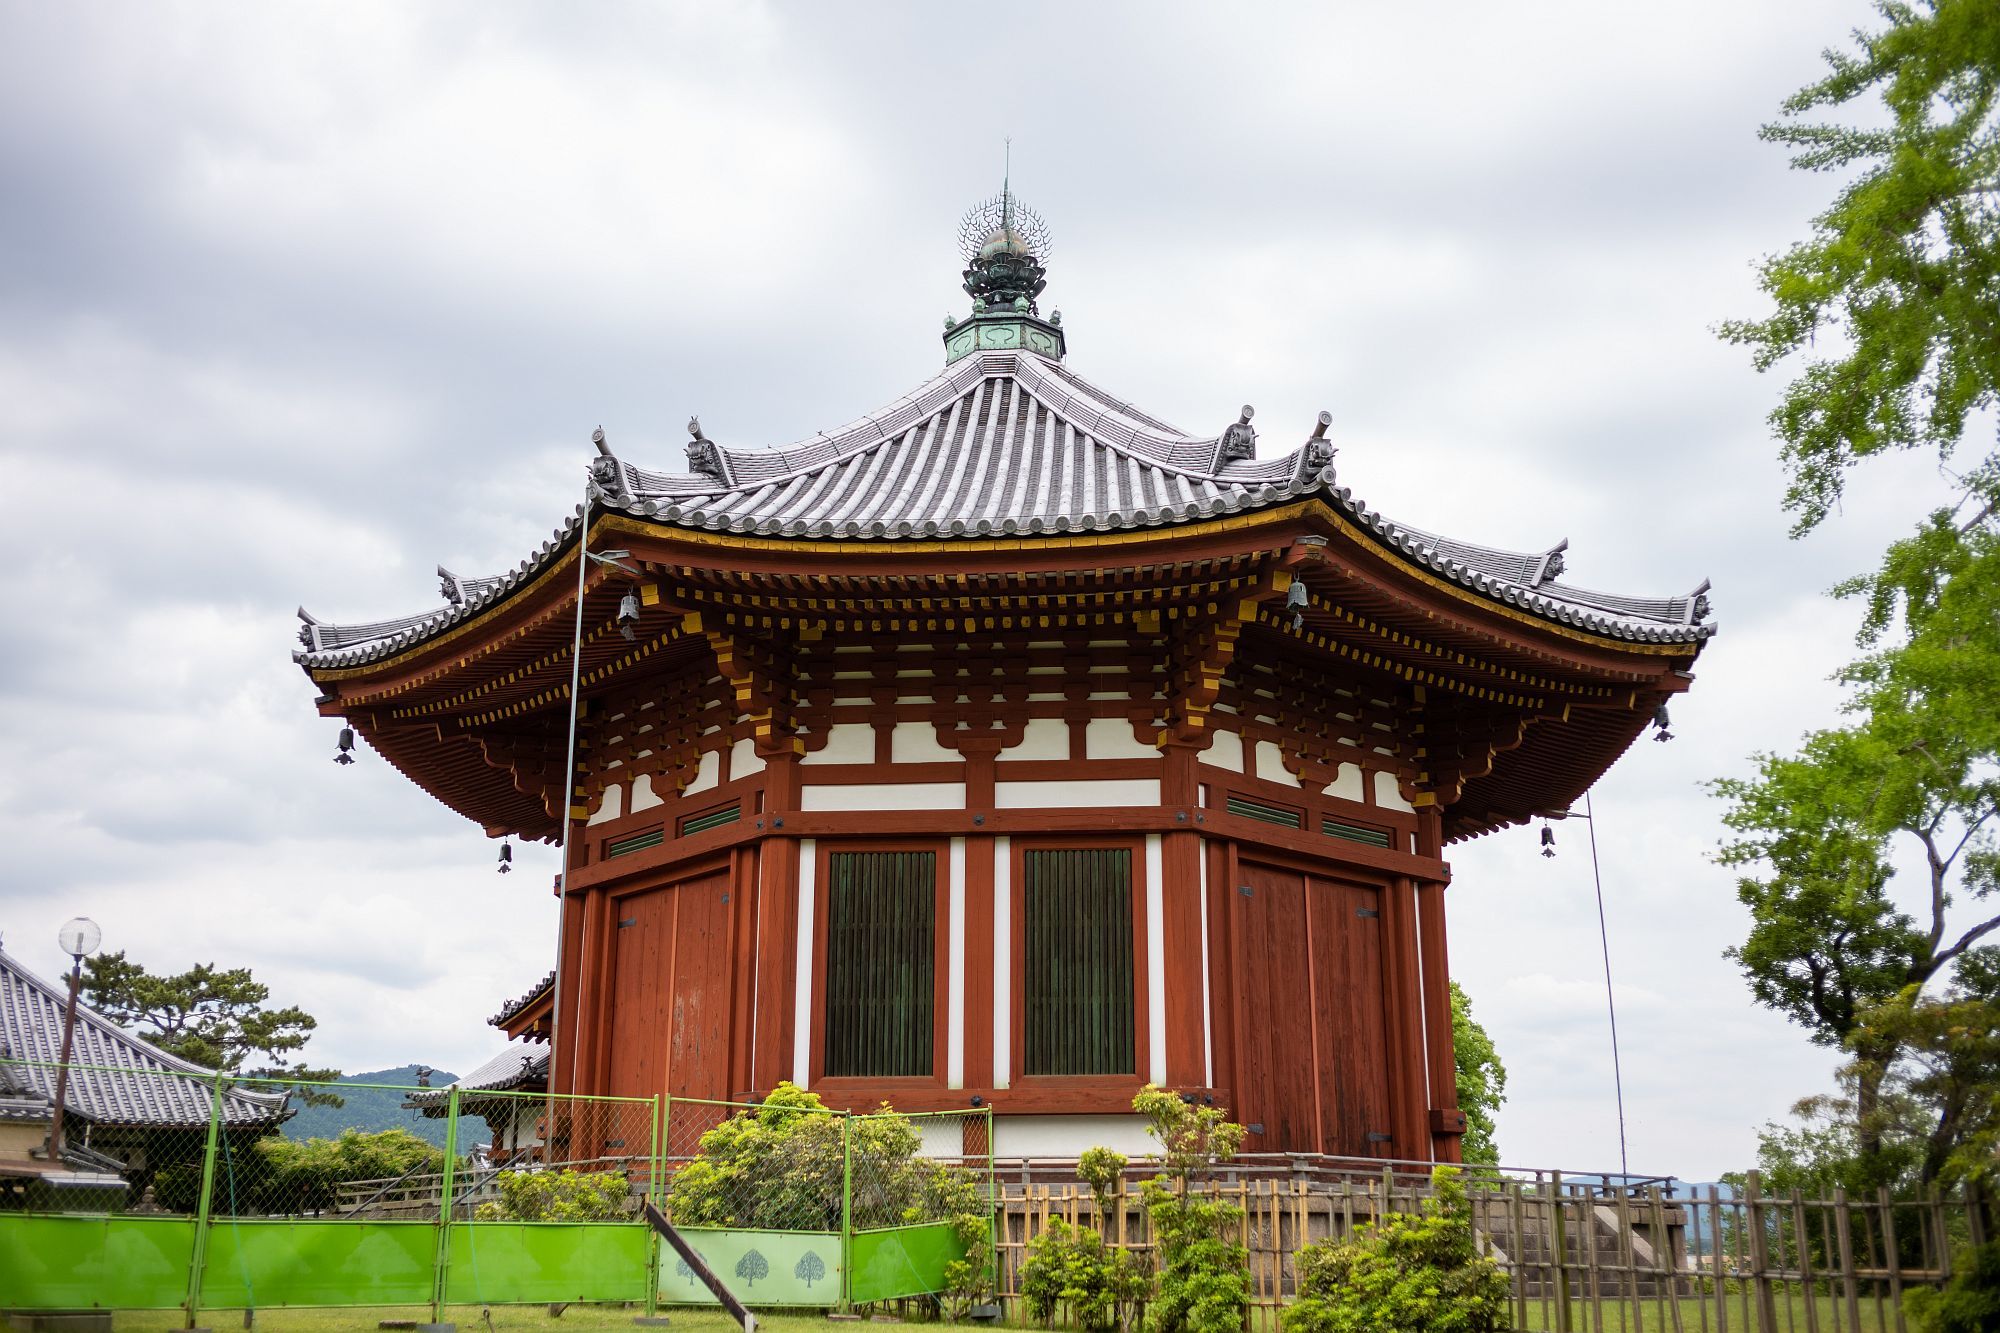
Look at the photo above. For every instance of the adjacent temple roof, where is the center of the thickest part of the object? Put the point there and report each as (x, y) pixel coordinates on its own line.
(1005, 443)
(115, 1078)
(520, 1065)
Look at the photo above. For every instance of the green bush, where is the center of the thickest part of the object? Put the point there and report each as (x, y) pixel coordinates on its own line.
(1969, 1303)
(279, 1175)
(558, 1196)
(782, 1167)
(1204, 1271)
(1403, 1274)
(1069, 1269)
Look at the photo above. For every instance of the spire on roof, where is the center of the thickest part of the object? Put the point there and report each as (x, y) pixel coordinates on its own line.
(1006, 245)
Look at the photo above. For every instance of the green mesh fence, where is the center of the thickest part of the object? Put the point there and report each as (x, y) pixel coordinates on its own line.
(209, 1192)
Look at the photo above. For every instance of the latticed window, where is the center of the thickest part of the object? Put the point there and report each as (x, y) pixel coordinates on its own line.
(1077, 985)
(881, 964)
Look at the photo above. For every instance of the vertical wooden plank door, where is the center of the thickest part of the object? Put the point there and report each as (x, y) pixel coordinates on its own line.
(1315, 1050)
(671, 991)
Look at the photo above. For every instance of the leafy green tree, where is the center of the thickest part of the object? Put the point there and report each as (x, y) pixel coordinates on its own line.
(210, 1016)
(1482, 1081)
(1893, 302)
(1893, 307)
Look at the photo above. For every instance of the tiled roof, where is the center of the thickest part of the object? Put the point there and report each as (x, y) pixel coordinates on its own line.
(1009, 443)
(115, 1078)
(516, 1005)
(519, 1065)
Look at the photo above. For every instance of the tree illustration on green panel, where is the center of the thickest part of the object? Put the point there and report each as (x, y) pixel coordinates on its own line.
(751, 1267)
(811, 1269)
(681, 1267)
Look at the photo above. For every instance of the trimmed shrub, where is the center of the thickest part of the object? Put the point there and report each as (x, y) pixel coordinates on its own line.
(1403, 1274)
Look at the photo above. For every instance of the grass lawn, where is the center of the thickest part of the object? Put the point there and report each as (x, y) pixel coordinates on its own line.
(575, 1319)
(1654, 1315)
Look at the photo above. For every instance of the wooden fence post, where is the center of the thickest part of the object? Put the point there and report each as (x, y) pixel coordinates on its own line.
(1559, 1253)
(1843, 1237)
(1716, 1266)
(1892, 1254)
(1760, 1255)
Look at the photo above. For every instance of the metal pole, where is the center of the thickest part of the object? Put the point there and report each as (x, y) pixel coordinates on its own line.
(655, 1190)
(62, 1065)
(562, 878)
(199, 1252)
(441, 1268)
(1610, 1005)
(846, 1213)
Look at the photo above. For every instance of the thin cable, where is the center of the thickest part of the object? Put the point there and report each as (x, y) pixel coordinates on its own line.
(1610, 1005)
(568, 796)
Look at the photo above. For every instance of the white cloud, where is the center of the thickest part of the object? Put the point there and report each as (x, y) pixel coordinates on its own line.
(302, 301)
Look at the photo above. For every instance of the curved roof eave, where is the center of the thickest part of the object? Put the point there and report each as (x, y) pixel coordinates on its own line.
(987, 462)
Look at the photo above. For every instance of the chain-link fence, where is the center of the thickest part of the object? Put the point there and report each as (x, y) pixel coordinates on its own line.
(166, 1189)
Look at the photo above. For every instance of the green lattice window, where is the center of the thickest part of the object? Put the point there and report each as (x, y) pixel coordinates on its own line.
(1076, 965)
(881, 964)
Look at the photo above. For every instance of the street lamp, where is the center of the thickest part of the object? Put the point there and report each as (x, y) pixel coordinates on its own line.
(79, 936)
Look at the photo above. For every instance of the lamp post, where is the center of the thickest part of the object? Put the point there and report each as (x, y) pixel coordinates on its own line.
(79, 936)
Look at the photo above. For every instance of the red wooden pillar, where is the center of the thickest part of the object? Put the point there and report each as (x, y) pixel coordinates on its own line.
(777, 920)
(563, 1061)
(1447, 1134)
(1409, 1099)
(1181, 924)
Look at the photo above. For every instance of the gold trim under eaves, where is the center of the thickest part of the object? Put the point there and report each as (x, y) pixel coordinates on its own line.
(1315, 508)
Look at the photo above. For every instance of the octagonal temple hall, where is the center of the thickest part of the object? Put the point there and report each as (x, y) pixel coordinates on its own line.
(1011, 747)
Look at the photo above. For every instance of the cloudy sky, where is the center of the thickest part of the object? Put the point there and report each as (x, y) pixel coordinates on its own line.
(298, 301)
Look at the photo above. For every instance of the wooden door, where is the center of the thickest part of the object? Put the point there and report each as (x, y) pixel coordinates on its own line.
(670, 992)
(1352, 1040)
(698, 1064)
(643, 949)
(1276, 1052)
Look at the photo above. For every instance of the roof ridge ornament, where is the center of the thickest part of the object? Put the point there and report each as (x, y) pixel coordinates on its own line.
(1550, 566)
(606, 471)
(705, 455)
(1237, 443)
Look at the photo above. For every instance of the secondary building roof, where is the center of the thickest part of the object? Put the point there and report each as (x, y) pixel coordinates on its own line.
(115, 1078)
(520, 1065)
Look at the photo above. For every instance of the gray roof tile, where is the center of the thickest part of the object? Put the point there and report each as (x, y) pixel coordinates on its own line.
(1006, 443)
(115, 1078)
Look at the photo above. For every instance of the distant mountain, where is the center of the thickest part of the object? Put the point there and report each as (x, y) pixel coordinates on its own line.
(372, 1109)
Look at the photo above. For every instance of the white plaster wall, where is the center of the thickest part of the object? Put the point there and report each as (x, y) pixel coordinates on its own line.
(1086, 792)
(707, 774)
(954, 1038)
(1271, 765)
(1156, 960)
(885, 796)
(1351, 784)
(1225, 751)
(917, 743)
(1042, 738)
(1112, 738)
(846, 743)
(642, 793)
(1386, 794)
(612, 805)
(942, 1137)
(803, 967)
(1069, 1135)
(744, 759)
